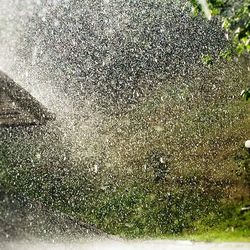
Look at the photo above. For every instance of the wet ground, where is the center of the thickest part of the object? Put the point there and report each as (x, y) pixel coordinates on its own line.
(124, 245)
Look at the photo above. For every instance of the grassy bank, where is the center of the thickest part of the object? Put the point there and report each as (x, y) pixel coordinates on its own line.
(225, 224)
(228, 224)
(220, 236)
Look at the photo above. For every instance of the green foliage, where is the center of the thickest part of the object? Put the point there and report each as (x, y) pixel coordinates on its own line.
(196, 7)
(239, 26)
(148, 210)
(207, 59)
(246, 94)
(235, 17)
(228, 223)
(140, 207)
(243, 162)
(226, 54)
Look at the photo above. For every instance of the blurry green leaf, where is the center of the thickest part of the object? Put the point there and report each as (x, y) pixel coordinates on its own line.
(246, 94)
(235, 19)
(226, 54)
(207, 59)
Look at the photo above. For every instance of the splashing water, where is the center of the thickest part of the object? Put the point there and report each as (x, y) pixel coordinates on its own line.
(81, 63)
(126, 82)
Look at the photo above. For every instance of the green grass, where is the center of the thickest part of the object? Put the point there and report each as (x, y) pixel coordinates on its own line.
(212, 235)
(227, 225)
(220, 236)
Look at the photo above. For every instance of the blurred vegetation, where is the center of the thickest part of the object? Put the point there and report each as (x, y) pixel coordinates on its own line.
(228, 223)
(235, 17)
(246, 94)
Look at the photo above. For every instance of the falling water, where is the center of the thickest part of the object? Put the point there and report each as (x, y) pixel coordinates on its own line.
(88, 60)
(126, 82)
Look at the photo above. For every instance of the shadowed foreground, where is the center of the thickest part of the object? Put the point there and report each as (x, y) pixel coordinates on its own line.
(28, 223)
(125, 245)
